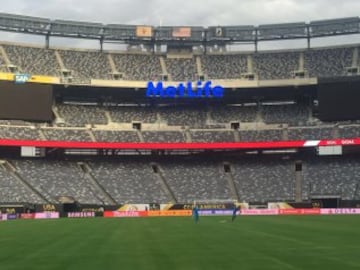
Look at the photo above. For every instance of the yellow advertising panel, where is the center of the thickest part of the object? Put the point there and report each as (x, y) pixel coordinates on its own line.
(23, 78)
(44, 79)
(181, 32)
(6, 76)
(143, 31)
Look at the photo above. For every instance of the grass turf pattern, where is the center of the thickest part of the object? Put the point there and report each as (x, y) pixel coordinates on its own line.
(251, 242)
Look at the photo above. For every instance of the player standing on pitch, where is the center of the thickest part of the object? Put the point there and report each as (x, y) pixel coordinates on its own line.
(195, 213)
(235, 210)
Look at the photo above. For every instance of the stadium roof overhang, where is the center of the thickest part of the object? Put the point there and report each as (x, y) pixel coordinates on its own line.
(191, 35)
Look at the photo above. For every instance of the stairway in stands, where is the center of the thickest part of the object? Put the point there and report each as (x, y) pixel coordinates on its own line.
(11, 169)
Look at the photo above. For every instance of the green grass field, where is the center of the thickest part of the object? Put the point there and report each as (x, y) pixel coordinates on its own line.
(282, 242)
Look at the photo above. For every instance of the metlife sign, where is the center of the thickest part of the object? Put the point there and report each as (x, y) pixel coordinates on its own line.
(184, 90)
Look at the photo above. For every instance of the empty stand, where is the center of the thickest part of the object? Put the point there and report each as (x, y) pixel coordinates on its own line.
(116, 136)
(81, 115)
(291, 114)
(37, 61)
(180, 179)
(22, 133)
(86, 65)
(181, 69)
(227, 114)
(128, 114)
(275, 66)
(212, 136)
(12, 190)
(129, 181)
(311, 133)
(193, 180)
(67, 134)
(224, 66)
(331, 176)
(264, 180)
(141, 67)
(261, 135)
(328, 62)
(57, 178)
(164, 136)
(192, 116)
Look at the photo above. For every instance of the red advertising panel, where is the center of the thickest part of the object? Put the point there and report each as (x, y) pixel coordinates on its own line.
(300, 211)
(168, 146)
(260, 212)
(27, 216)
(355, 141)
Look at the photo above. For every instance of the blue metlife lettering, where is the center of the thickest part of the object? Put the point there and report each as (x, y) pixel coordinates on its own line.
(184, 90)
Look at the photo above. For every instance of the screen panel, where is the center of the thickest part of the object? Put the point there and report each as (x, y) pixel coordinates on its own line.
(339, 98)
(29, 101)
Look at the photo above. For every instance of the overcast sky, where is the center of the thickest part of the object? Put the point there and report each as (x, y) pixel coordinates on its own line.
(186, 12)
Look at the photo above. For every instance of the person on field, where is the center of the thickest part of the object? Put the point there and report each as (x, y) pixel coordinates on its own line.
(195, 213)
(234, 213)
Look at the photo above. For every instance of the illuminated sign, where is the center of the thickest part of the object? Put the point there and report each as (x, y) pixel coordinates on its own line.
(218, 32)
(21, 78)
(144, 31)
(181, 32)
(185, 90)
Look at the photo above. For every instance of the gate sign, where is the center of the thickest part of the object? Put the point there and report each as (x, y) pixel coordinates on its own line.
(185, 90)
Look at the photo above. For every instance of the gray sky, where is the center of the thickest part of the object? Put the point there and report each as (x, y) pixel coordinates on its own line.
(185, 12)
